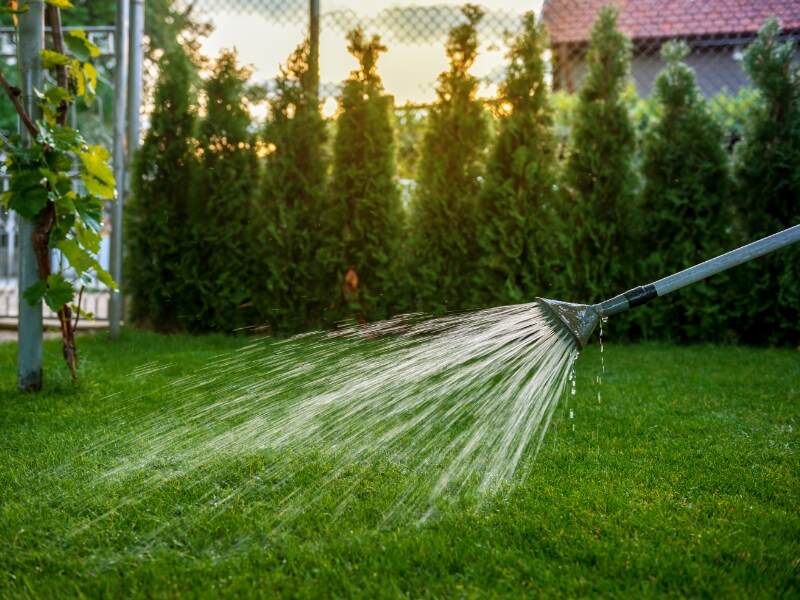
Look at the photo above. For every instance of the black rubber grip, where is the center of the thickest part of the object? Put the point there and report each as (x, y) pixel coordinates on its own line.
(640, 295)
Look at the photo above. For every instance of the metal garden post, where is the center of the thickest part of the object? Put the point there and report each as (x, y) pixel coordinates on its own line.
(135, 81)
(120, 114)
(136, 59)
(313, 41)
(29, 358)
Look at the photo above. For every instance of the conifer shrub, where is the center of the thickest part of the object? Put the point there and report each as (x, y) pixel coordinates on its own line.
(287, 227)
(220, 267)
(364, 219)
(443, 248)
(768, 196)
(513, 213)
(158, 212)
(598, 206)
(686, 198)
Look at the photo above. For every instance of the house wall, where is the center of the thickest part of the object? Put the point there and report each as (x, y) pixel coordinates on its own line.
(717, 68)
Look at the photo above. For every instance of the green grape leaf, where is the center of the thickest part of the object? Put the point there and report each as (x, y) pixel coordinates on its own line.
(65, 216)
(81, 46)
(59, 137)
(87, 237)
(52, 59)
(77, 75)
(90, 81)
(61, 228)
(59, 291)
(78, 258)
(97, 177)
(90, 210)
(105, 277)
(82, 261)
(29, 193)
(56, 95)
(34, 294)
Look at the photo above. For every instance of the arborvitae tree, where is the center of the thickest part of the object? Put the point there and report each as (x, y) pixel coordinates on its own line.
(687, 201)
(365, 216)
(222, 203)
(443, 247)
(599, 177)
(287, 288)
(158, 213)
(768, 198)
(513, 227)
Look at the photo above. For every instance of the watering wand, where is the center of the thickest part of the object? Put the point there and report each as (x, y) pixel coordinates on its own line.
(581, 319)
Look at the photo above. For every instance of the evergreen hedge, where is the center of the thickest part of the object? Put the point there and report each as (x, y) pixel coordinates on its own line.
(443, 253)
(519, 190)
(686, 199)
(211, 245)
(221, 266)
(364, 219)
(598, 211)
(767, 305)
(287, 227)
(158, 213)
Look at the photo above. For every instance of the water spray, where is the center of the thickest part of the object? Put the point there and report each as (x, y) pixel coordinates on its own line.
(582, 319)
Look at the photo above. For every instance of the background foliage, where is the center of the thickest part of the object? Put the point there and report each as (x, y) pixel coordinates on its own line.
(165, 171)
(598, 203)
(519, 190)
(443, 252)
(364, 218)
(221, 206)
(768, 196)
(686, 198)
(581, 197)
(288, 233)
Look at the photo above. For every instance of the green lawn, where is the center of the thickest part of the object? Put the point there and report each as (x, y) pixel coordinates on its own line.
(684, 480)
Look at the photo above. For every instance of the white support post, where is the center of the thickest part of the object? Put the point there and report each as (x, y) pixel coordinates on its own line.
(120, 114)
(135, 81)
(29, 356)
(313, 42)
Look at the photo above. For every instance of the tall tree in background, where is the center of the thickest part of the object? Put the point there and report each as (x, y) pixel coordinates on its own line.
(158, 212)
(513, 227)
(768, 198)
(687, 201)
(443, 249)
(223, 202)
(599, 178)
(365, 217)
(288, 234)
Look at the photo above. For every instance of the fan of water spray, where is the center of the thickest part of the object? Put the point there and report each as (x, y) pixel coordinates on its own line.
(455, 402)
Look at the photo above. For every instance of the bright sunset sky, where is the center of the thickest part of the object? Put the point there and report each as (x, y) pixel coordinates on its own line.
(408, 69)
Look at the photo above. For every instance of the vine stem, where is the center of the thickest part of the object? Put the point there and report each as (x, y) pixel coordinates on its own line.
(70, 348)
(13, 94)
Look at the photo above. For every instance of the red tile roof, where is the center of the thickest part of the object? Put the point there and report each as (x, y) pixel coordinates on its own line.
(570, 21)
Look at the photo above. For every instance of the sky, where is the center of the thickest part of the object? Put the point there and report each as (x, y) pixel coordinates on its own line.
(265, 37)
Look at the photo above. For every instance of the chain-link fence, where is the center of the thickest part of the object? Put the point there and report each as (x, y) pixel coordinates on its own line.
(414, 33)
(717, 32)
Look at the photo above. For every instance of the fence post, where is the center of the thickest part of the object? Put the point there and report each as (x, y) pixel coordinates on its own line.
(29, 357)
(120, 113)
(136, 60)
(313, 42)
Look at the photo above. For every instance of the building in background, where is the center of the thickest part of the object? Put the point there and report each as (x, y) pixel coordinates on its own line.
(717, 32)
